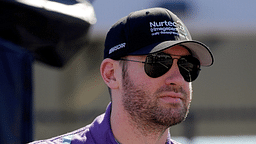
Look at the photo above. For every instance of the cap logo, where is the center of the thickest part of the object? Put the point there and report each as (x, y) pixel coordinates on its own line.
(167, 27)
(117, 47)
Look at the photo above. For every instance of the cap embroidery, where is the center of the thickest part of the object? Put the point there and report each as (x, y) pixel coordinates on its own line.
(117, 47)
(167, 27)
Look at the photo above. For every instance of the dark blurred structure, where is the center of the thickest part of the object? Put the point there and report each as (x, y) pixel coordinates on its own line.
(51, 32)
(15, 94)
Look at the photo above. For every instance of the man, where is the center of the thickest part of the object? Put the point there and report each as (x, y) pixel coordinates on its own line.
(149, 63)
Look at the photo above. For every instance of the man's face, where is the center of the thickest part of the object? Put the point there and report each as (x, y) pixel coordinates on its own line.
(162, 101)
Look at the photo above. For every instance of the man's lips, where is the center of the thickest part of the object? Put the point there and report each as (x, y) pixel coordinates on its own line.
(171, 97)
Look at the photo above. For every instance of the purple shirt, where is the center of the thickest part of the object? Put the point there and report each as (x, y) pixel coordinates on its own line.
(98, 132)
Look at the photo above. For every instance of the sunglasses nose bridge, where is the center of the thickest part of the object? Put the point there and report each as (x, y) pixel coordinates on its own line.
(173, 74)
(174, 66)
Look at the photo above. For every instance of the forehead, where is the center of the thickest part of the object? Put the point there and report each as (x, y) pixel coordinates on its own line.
(177, 50)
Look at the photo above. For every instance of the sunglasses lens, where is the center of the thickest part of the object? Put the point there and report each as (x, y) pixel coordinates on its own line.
(157, 65)
(155, 70)
(189, 68)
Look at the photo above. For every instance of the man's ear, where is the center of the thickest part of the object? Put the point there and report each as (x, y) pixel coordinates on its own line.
(108, 70)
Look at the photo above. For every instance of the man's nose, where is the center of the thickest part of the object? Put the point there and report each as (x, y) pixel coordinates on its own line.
(173, 76)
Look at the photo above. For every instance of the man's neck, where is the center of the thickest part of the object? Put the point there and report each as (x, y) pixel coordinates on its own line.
(128, 131)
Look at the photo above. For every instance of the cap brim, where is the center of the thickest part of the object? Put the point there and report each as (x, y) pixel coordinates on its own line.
(200, 51)
(197, 49)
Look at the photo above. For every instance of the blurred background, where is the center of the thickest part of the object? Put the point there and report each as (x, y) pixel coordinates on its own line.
(223, 108)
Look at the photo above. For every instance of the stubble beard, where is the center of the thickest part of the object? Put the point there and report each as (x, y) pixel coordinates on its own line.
(145, 111)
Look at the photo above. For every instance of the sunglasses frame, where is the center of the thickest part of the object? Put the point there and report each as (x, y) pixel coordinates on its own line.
(155, 60)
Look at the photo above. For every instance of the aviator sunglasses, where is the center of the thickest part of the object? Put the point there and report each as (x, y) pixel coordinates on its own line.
(157, 64)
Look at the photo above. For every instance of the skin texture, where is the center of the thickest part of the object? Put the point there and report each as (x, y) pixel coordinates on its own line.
(143, 108)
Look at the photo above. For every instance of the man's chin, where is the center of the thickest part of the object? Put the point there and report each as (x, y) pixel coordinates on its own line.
(170, 115)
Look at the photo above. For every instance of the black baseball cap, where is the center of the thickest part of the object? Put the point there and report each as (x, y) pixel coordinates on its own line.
(149, 31)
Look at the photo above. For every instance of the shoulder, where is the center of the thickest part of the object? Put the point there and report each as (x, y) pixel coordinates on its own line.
(81, 135)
